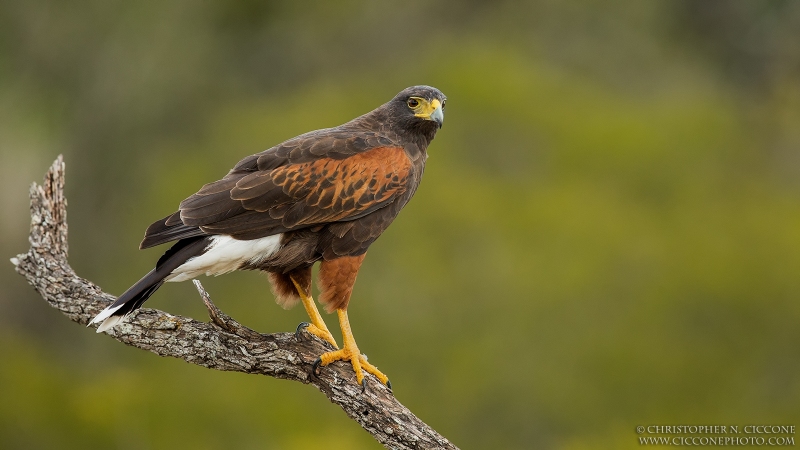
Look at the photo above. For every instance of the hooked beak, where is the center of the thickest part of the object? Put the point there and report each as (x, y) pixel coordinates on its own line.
(438, 114)
(433, 111)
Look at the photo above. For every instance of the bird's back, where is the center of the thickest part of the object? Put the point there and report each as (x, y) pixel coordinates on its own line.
(320, 178)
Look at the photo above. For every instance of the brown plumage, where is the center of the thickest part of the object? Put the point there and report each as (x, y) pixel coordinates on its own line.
(323, 196)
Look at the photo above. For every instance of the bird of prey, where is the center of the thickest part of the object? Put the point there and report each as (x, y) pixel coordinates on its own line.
(322, 196)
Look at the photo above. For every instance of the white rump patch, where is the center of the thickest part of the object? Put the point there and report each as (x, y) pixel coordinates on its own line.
(225, 254)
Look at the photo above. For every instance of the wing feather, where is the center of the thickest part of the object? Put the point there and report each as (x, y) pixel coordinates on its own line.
(315, 179)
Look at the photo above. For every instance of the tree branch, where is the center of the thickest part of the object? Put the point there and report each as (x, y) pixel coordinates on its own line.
(222, 344)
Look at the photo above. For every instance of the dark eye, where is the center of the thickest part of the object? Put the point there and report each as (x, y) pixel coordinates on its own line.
(413, 103)
(444, 103)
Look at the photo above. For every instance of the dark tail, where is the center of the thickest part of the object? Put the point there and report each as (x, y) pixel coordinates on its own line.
(168, 229)
(136, 295)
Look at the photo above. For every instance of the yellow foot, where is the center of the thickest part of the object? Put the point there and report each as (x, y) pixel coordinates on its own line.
(359, 362)
(325, 335)
(317, 326)
(350, 353)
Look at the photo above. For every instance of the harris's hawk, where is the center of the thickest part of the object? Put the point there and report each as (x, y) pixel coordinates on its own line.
(322, 196)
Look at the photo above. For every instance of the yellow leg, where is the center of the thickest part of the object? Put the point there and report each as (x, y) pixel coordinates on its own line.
(351, 353)
(317, 326)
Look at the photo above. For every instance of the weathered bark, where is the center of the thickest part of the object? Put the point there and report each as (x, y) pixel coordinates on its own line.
(221, 344)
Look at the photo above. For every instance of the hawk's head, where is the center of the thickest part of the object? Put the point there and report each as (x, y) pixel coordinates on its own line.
(418, 109)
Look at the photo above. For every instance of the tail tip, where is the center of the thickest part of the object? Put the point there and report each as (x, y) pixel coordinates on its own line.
(109, 323)
(107, 318)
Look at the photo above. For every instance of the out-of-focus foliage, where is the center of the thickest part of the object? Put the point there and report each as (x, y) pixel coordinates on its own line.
(607, 235)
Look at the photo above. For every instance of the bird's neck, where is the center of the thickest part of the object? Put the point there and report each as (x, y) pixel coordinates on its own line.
(420, 133)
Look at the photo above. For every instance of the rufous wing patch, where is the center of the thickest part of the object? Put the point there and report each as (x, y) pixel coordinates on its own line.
(328, 190)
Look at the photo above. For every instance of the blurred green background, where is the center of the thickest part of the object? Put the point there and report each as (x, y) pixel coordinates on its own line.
(607, 234)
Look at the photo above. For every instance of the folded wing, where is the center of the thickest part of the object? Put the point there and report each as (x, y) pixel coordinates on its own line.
(291, 187)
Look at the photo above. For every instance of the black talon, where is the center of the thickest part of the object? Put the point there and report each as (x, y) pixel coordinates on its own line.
(315, 367)
(302, 326)
(389, 384)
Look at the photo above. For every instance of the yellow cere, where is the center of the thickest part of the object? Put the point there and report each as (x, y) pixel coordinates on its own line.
(426, 108)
